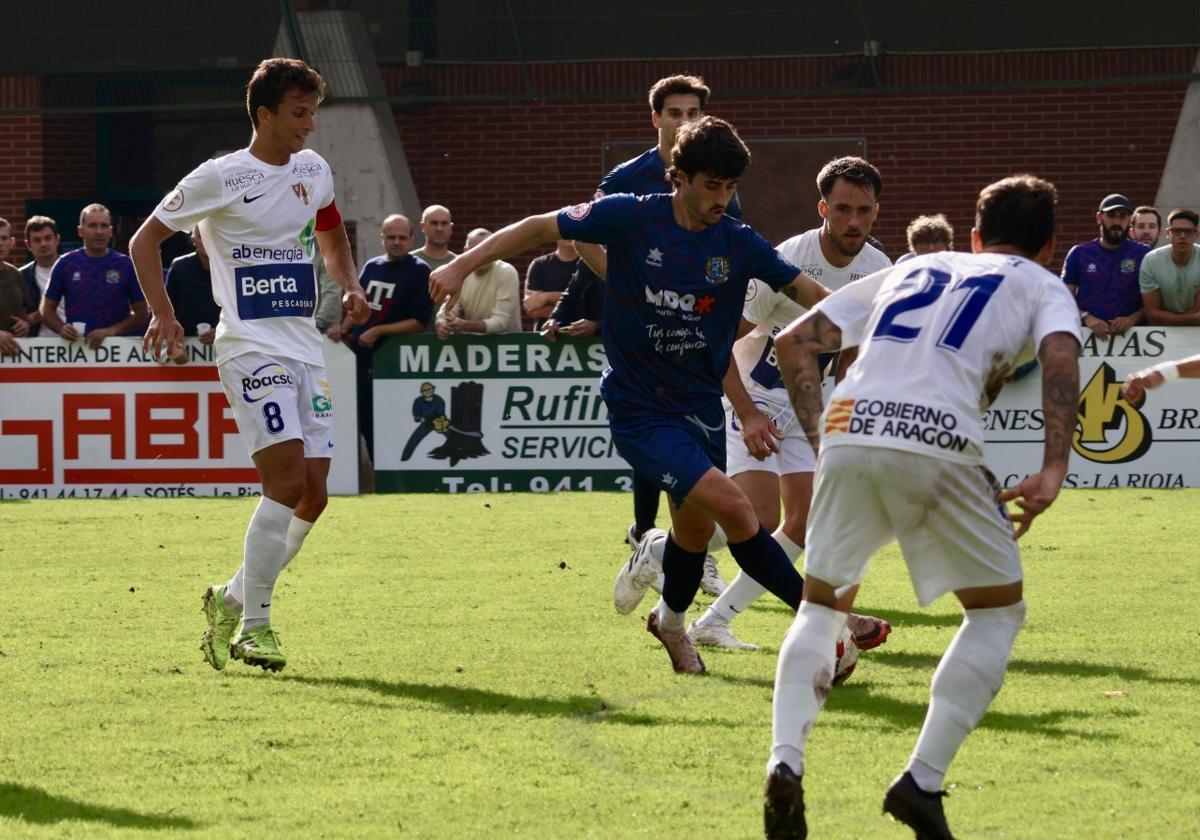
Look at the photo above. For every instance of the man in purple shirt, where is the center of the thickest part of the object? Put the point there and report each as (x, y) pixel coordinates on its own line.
(1103, 273)
(98, 283)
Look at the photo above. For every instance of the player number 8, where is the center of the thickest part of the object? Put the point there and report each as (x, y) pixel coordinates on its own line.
(273, 417)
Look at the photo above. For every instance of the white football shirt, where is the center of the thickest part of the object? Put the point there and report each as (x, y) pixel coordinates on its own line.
(937, 336)
(258, 223)
(804, 252)
(771, 311)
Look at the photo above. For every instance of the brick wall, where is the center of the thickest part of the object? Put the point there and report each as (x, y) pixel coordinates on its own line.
(493, 161)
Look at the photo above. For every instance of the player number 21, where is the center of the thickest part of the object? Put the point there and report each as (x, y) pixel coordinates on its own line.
(979, 290)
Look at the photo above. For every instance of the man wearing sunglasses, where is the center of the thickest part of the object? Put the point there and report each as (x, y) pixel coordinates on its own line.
(1170, 276)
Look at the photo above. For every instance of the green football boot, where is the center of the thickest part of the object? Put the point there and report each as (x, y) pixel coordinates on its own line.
(222, 624)
(259, 646)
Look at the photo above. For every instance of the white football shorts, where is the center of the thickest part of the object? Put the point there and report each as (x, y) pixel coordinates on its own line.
(276, 399)
(951, 527)
(795, 453)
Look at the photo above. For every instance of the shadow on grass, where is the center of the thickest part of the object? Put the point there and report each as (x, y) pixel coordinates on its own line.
(1040, 667)
(858, 698)
(478, 701)
(34, 805)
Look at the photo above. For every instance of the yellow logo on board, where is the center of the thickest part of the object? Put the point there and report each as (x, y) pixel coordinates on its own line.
(1102, 411)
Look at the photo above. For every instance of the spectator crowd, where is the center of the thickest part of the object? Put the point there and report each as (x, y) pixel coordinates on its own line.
(1121, 279)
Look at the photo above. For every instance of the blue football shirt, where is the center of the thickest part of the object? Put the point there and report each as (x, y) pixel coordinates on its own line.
(646, 175)
(99, 291)
(673, 298)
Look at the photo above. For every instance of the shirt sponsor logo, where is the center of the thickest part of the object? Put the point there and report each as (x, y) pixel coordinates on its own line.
(243, 180)
(261, 383)
(680, 303)
(307, 238)
(579, 211)
(924, 424)
(716, 270)
(112, 277)
(258, 252)
(274, 291)
(654, 258)
(306, 170)
(173, 201)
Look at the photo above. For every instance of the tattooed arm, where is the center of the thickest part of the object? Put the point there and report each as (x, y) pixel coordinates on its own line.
(796, 350)
(1059, 356)
(805, 291)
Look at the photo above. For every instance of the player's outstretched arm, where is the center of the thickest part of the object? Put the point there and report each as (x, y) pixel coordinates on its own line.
(1059, 357)
(1137, 384)
(446, 282)
(797, 349)
(164, 329)
(805, 291)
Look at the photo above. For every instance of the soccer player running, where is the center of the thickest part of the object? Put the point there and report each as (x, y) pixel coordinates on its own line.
(674, 101)
(678, 268)
(902, 458)
(836, 253)
(259, 211)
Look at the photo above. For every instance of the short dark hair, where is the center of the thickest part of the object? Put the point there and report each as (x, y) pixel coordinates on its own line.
(4, 222)
(272, 80)
(853, 169)
(674, 85)
(1183, 213)
(709, 145)
(1146, 208)
(35, 223)
(925, 229)
(1017, 211)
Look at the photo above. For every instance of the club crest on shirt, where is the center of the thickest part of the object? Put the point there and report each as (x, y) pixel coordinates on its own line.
(112, 277)
(302, 191)
(716, 270)
(578, 211)
(1128, 266)
(173, 201)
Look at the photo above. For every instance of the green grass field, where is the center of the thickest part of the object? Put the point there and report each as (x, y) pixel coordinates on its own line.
(456, 670)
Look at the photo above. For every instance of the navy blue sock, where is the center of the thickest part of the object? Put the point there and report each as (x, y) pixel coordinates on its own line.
(645, 503)
(682, 571)
(763, 559)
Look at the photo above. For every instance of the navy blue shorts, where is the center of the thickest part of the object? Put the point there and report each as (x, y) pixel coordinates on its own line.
(671, 450)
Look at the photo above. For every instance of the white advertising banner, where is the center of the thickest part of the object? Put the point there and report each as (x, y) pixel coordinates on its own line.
(1154, 445)
(488, 413)
(82, 423)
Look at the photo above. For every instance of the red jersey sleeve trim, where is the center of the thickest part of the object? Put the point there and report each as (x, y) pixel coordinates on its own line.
(328, 217)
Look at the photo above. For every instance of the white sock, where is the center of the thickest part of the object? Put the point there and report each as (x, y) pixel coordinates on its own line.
(265, 555)
(745, 590)
(668, 619)
(968, 677)
(803, 679)
(235, 590)
(718, 540)
(297, 530)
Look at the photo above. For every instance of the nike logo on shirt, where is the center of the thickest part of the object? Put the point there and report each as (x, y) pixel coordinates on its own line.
(248, 199)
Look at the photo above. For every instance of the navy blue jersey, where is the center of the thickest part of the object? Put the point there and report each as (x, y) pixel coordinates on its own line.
(646, 175)
(396, 290)
(673, 297)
